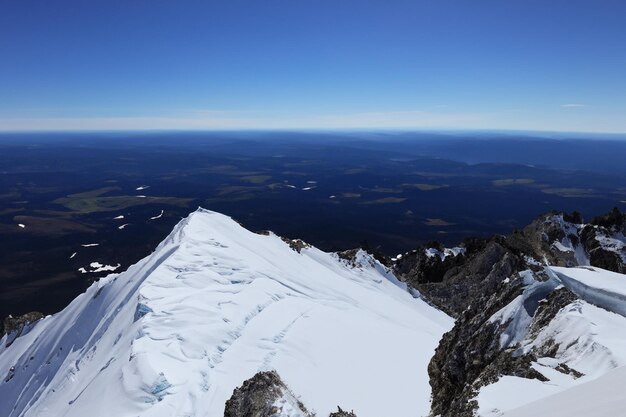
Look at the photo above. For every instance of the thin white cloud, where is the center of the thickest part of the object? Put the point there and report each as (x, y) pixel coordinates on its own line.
(199, 120)
(573, 105)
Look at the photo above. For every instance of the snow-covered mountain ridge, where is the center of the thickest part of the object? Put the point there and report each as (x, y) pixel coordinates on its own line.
(211, 307)
(221, 321)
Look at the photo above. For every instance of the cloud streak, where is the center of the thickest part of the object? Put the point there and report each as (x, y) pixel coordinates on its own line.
(199, 120)
(573, 105)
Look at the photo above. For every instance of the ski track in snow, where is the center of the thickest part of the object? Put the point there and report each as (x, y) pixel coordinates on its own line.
(213, 305)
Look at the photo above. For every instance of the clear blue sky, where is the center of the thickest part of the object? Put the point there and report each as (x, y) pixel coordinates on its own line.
(505, 64)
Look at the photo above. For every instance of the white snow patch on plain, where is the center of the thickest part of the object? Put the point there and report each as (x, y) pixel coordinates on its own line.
(89, 245)
(98, 267)
(21, 225)
(142, 187)
(73, 255)
(120, 217)
(157, 216)
(123, 226)
(212, 306)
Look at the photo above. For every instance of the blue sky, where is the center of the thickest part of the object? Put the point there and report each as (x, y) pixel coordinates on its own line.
(154, 64)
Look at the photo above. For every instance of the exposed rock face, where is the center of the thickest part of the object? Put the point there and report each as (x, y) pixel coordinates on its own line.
(451, 283)
(14, 327)
(264, 395)
(475, 293)
(490, 276)
(342, 413)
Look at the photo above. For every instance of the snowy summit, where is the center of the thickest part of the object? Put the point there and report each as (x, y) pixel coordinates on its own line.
(214, 304)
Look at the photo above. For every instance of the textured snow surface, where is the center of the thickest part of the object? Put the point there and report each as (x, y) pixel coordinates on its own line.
(615, 243)
(602, 397)
(213, 305)
(601, 287)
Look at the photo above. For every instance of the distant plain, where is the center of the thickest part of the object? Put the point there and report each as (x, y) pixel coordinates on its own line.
(83, 200)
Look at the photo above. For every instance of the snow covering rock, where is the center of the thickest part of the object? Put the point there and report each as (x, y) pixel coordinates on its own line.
(177, 332)
(264, 395)
(342, 413)
(15, 327)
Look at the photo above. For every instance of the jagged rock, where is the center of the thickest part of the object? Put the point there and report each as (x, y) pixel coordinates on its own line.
(468, 278)
(469, 349)
(614, 219)
(296, 244)
(418, 268)
(473, 287)
(548, 309)
(14, 327)
(350, 255)
(264, 395)
(342, 413)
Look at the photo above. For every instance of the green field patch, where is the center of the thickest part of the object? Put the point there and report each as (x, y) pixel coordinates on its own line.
(229, 198)
(570, 192)
(512, 181)
(10, 195)
(8, 211)
(94, 201)
(256, 179)
(94, 193)
(235, 189)
(354, 171)
(386, 200)
(424, 186)
(51, 225)
(437, 222)
(384, 190)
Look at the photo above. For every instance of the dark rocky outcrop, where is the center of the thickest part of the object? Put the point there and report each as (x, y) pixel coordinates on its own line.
(342, 413)
(258, 396)
(266, 395)
(475, 286)
(14, 327)
(296, 244)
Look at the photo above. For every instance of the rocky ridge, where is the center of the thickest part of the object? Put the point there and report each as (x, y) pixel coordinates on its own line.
(480, 285)
(266, 395)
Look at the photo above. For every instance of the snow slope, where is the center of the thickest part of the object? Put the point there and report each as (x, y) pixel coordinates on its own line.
(213, 305)
(602, 397)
